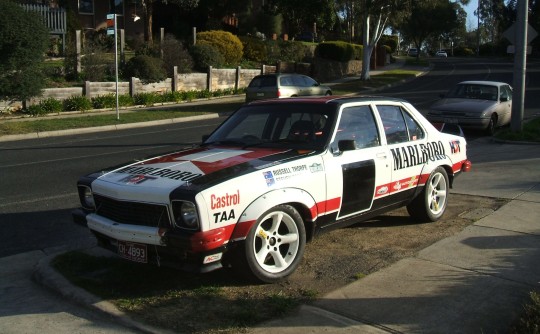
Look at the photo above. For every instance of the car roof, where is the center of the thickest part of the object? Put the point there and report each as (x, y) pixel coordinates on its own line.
(326, 99)
(480, 82)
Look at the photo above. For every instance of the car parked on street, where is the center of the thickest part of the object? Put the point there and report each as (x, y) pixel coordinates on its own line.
(281, 85)
(441, 53)
(269, 179)
(413, 52)
(480, 105)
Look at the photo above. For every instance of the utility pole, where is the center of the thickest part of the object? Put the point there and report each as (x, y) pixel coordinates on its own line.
(520, 66)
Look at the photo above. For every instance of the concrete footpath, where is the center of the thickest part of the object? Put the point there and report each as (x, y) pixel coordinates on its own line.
(473, 282)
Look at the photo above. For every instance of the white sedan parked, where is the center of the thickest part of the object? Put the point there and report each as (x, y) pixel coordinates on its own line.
(481, 105)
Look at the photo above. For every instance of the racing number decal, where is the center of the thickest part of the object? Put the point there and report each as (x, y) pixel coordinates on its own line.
(358, 186)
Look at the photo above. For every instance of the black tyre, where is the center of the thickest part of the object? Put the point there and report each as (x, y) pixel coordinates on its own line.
(431, 203)
(490, 130)
(275, 244)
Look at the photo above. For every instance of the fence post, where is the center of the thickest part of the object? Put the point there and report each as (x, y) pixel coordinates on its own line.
(122, 46)
(78, 51)
(237, 79)
(194, 34)
(175, 79)
(209, 79)
(132, 86)
(87, 90)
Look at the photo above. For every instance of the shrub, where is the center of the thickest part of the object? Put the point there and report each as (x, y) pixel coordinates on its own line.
(205, 55)
(104, 101)
(147, 99)
(51, 105)
(147, 69)
(125, 100)
(36, 110)
(77, 103)
(254, 49)
(339, 51)
(95, 67)
(226, 43)
(174, 54)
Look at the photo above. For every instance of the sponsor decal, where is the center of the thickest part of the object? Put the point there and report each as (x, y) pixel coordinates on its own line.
(159, 172)
(223, 201)
(212, 258)
(269, 177)
(455, 146)
(136, 179)
(220, 217)
(382, 190)
(315, 167)
(417, 154)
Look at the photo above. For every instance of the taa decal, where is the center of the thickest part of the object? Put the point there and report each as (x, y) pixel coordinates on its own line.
(160, 172)
(413, 155)
(136, 179)
(220, 217)
(455, 146)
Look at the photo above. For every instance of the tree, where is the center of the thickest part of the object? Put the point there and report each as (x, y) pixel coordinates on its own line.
(430, 18)
(23, 42)
(148, 13)
(301, 15)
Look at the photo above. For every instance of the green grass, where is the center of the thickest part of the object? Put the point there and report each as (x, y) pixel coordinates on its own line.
(92, 120)
(529, 133)
(376, 81)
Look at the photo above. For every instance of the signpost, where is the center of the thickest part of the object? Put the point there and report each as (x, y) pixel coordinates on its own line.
(111, 30)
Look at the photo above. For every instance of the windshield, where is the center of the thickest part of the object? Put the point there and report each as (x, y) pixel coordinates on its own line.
(298, 125)
(474, 91)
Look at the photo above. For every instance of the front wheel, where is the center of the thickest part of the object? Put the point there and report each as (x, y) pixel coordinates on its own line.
(492, 126)
(275, 244)
(431, 203)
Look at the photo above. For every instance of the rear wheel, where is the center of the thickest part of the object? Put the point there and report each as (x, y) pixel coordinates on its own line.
(431, 203)
(275, 244)
(328, 93)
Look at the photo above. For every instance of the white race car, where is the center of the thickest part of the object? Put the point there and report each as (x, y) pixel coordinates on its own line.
(268, 179)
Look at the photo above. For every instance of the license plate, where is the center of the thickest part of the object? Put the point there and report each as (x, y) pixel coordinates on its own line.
(260, 94)
(132, 251)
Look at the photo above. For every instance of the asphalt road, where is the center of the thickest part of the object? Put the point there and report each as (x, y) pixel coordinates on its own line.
(38, 177)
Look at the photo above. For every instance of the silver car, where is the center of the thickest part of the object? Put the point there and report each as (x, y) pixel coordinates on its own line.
(480, 105)
(280, 85)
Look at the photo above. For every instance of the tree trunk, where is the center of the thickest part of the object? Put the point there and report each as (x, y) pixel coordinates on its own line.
(148, 16)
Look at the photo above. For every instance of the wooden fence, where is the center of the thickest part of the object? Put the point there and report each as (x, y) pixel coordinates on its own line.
(54, 18)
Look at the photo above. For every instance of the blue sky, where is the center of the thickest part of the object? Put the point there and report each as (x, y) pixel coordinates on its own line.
(471, 19)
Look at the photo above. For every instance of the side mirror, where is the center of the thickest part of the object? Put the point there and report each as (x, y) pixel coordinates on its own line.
(504, 98)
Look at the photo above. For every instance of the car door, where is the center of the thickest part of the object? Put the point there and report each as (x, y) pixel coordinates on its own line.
(409, 149)
(357, 163)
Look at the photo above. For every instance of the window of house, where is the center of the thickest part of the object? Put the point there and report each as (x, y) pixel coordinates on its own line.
(86, 6)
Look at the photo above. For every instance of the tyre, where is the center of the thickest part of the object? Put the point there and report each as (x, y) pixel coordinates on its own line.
(275, 244)
(431, 203)
(490, 130)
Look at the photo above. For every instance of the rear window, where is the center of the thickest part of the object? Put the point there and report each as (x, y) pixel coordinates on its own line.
(263, 81)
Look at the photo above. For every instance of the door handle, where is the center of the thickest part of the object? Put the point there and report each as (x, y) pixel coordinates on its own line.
(381, 155)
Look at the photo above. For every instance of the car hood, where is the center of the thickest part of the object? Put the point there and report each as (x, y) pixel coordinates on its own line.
(194, 168)
(463, 105)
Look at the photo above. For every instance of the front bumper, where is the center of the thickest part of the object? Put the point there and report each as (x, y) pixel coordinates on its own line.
(475, 123)
(188, 251)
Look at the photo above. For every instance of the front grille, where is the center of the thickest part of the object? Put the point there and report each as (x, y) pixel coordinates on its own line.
(133, 213)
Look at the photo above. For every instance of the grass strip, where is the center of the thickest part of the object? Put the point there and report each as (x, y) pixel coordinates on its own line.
(376, 81)
(529, 133)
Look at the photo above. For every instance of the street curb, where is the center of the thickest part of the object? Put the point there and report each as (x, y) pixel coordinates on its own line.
(46, 134)
(45, 275)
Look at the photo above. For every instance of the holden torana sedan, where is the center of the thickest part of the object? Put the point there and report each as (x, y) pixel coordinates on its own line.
(480, 105)
(271, 177)
(281, 85)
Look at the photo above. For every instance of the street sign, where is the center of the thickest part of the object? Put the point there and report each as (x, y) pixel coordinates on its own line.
(510, 34)
(110, 24)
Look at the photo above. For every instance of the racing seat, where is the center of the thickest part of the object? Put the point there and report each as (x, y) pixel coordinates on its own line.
(302, 130)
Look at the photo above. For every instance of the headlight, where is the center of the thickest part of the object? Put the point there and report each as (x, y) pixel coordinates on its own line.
(87, 197)
(185, 214)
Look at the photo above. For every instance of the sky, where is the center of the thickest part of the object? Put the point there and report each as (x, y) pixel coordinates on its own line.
(472, 22)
